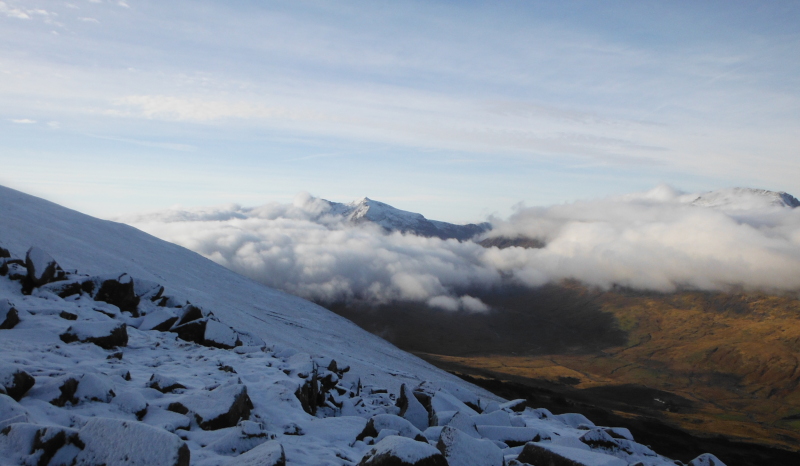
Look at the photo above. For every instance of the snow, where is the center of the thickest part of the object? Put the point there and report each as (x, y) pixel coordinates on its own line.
(461, 449)
(405, 449)
(741, 199)
(114, 442)
(302, 387)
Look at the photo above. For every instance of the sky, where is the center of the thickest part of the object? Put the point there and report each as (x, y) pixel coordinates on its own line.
(458, 110)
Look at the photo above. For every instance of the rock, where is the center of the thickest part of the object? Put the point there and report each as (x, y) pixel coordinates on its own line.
(222, 407)
(411, 409)
(119, 291)
(548, 455)
(4, 252)
(219, 335)
(163, 383)
(465, 424)
(401, 426)
(9, 316)
(706, 459)
(42, 268)
(106, 335)
(461, 449)
(114, 442)
(14, 269)
(244, 437)
(131, 402)
(93, 387)
(162, 320)
(401, 451)
(46, 445)
(599, 438)
(190, 313)
(267, 454)
(442, 401)
(15, 382)
(11, 412)
(512, 436)
(67, 389)
(516, 406)
(495, 418)
(574, 420)
(207, 332)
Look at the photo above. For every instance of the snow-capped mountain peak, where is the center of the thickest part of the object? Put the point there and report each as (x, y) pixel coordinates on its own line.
(745, 199)
(393, 219)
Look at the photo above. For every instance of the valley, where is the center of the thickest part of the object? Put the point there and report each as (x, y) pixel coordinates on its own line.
(708, 363)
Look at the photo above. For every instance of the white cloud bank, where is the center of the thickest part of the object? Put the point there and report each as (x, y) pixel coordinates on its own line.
(656, 240)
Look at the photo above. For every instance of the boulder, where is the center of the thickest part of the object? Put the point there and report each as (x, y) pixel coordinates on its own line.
(15, 382)
(14, 269)
(11, 412)
(9, 316)
(599, 438)
(411, 409)
(116, 442)
(162, 320)
(163, 383)
(706, 459)
(461, 449)
(4, 252)
(207, 332)
(42, 268)
(512, 436)
(222, 407)
(401, 451)
(44, 445)
(87, 387)
(119, 291)
(539, 454)
(106, 335)
(465, 424)
(401, 426)
(131, 402)
(495, 418)
(267, 454)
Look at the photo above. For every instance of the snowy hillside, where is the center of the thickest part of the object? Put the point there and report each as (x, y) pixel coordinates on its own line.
(118, 348)
(392, 219)
(745, 199)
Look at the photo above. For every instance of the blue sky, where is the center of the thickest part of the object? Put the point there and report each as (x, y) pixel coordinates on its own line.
(454, 109)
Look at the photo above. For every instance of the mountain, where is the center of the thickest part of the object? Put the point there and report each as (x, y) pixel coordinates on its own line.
(391, 219)
(745, 199)
(117, 348)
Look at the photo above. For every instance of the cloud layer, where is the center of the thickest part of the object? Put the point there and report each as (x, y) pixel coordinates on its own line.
(656, 240)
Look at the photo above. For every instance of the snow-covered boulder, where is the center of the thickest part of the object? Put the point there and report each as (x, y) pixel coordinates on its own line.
(267, 454)
(11, 412)
(222, 407)
(465, 424)
(397, 424)
(402, 451)
(14, 269)
(207, 331)
(411, 409)
(461, 449)
(114, 442)
(42, 268)
(162, 320)
(15, 382)
(132, 402)
(599, 438)
(542, 454)
(9, 316)
(496, 418)
(118, 291)
(164, 384)
(706, 459)
(512, 436)
(25, 443)
(244, 437)
(106, 335)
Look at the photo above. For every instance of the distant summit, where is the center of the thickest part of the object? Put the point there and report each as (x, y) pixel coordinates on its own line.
(745, 199)
(392, 219)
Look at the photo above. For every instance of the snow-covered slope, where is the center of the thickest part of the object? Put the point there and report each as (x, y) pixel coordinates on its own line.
(392, 219)
(124, 349)
(98, 247)
(740, 199)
